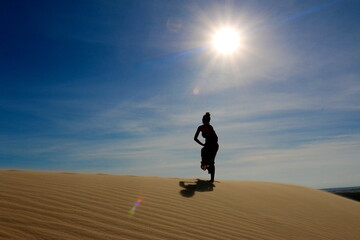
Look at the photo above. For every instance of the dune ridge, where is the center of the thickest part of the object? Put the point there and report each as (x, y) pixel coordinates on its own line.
(50, 205)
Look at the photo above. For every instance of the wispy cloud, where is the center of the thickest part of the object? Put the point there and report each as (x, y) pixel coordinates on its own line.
(330, 162)
(154, 137)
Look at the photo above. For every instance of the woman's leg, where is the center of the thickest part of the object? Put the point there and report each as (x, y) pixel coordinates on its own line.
(211, 170)
(212, 162)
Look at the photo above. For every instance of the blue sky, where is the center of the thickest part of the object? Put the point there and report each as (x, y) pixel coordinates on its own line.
(121, 86)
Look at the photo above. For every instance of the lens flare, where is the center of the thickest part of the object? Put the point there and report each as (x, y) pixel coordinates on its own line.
(196, 91)
(133, 209)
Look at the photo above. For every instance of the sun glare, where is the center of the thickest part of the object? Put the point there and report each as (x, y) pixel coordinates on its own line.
(226, 40)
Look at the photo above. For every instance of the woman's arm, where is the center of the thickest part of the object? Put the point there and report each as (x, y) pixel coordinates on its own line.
(196, 137)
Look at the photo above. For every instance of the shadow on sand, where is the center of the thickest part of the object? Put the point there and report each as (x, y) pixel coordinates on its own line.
(191, 187)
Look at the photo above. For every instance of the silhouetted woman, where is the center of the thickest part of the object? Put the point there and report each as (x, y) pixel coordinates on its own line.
(211, 146)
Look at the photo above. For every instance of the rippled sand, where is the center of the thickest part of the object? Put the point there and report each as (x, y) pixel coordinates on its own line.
(45, 205)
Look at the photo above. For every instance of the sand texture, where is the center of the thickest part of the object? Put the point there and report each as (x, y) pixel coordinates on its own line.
(44, 205)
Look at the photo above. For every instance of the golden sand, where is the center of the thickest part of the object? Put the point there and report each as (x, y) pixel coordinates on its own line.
(45, 205)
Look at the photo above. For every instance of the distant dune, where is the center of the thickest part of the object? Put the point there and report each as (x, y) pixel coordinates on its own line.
(350, 192)
(43, 205)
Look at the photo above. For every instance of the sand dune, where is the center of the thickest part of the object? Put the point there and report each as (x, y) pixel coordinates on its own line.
(43, 205)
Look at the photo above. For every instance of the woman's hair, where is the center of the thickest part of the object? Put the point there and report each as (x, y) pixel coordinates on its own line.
(206, 117)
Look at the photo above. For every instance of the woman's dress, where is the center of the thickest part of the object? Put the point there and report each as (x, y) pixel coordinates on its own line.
(208, 152)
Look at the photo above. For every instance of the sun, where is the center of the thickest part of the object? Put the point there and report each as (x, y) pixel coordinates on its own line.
(226, 40)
